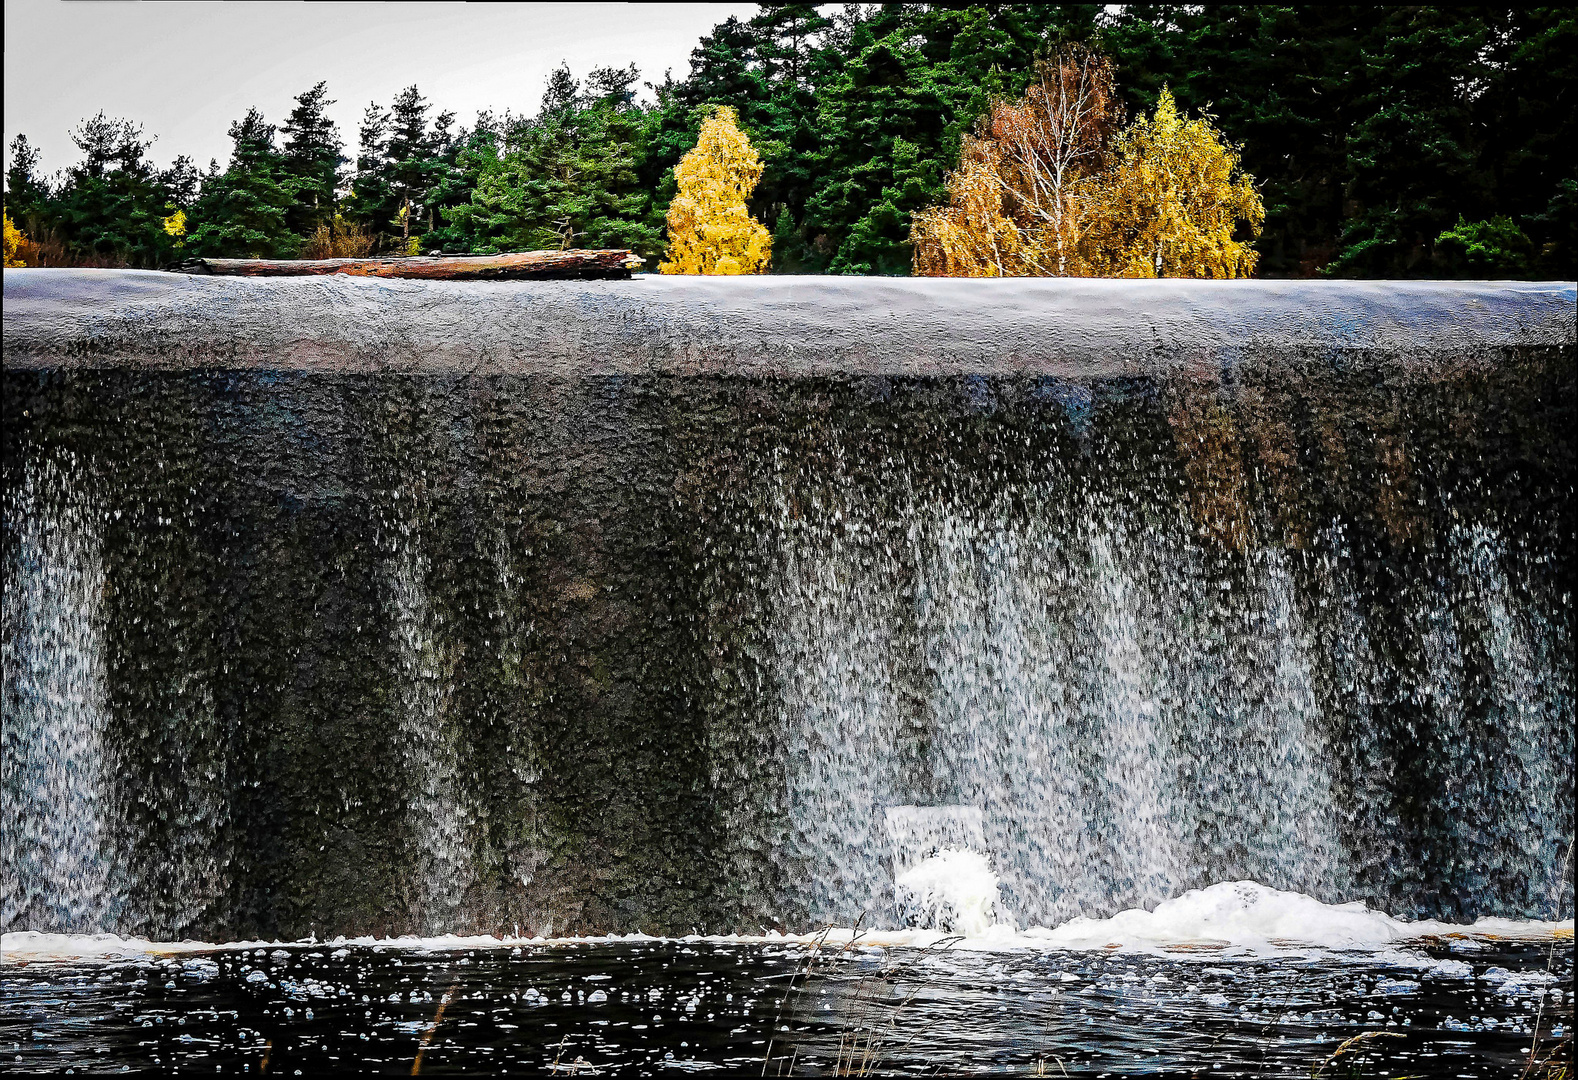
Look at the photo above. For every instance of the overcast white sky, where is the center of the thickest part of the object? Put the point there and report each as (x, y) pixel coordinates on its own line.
(186, 70)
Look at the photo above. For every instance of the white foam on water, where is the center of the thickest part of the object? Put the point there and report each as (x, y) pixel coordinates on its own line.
(1249, 915)
(34, 946)
(954, 890)
(1233, 918)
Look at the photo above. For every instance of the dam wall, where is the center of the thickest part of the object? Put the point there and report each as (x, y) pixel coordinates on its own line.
(338, 605)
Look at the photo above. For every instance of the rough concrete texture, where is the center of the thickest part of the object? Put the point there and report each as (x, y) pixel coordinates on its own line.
(764, 326)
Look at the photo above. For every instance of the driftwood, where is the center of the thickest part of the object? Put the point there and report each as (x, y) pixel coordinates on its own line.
(574, 264)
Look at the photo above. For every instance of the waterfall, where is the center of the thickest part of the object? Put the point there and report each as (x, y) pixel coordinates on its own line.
(1131, 713)
(674, 666)
(1510, 781)
(831, 641)
(57, 845)
(440, 830)
(339, 608)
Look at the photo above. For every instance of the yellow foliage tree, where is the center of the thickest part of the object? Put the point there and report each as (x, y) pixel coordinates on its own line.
(972, 236)
(13, 241)
(175, 225)
(709, 229)
(1048, 187)
(1171, 204)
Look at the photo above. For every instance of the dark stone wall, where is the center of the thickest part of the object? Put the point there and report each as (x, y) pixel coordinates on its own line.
(255, 521)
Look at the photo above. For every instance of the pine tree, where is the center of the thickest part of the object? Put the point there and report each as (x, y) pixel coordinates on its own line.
(562, 94)
(313, 157)
(785, 34)
(1284, 82)
(26, 191)
(473, 154)
(1486, 249)
(401, 161)
(1530, 114)
(372, 202)
(110, 207)
(181, 182)
(884, 121)
(725, 70)
(412, 163)
(242, 212)
(572, 177)
(1412, 158)
(613, 87)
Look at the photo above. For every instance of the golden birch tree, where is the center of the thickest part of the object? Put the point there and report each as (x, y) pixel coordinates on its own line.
(972, 236)
(1017, 203)
(1050, 143)
(1171, 204)
(710, 231)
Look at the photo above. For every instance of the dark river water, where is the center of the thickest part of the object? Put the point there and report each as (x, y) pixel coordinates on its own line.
(661, 1006)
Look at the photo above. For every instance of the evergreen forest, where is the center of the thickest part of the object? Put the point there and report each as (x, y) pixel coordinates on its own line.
(1408, 141)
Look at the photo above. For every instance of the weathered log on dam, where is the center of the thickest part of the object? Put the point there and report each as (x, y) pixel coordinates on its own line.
(346, 605)
(573, 264)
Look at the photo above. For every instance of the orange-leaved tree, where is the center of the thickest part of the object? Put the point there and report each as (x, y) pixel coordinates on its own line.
(710, 231)
(1021, 200)
(1174, 202)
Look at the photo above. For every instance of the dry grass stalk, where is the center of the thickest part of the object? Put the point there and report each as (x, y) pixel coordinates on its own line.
(812, 953)
(863, 1043)
(1352, 1046)
(1557, 1062)
(427, 1035)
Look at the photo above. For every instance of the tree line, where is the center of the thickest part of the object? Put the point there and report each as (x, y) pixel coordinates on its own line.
(1418, 141)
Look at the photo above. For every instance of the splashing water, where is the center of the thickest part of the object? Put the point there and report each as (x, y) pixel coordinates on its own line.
(942, 877)
(954, 890)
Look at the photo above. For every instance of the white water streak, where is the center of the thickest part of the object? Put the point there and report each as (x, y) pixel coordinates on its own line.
(1132, 717)
(834, 612)
(55, 849)
(440, 826)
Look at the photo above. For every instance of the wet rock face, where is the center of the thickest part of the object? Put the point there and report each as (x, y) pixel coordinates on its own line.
(524, 626)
